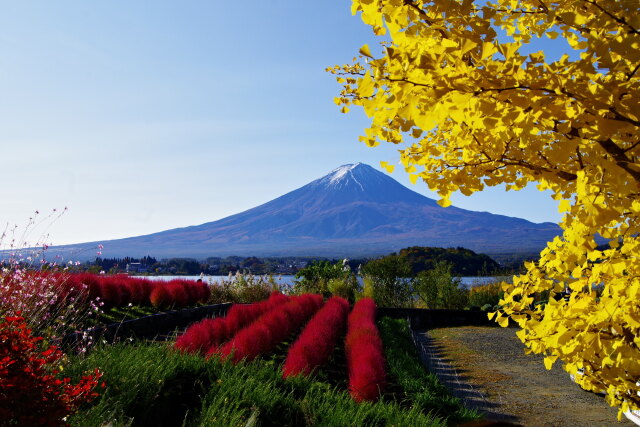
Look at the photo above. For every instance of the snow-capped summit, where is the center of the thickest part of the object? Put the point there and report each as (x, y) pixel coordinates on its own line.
(343, 174)
(360, 181)
(355, 210)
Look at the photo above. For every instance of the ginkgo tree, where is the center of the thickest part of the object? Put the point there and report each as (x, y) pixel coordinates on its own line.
(468, 108)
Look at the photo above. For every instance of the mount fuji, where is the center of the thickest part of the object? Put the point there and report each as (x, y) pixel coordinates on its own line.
(353, 211)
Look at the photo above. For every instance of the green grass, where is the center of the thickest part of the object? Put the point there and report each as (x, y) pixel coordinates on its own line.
(149, 384)
(419, 388)
(120, 314)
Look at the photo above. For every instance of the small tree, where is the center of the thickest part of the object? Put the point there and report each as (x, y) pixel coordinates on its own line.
(437, 288)
(325, 278)
(389, 280)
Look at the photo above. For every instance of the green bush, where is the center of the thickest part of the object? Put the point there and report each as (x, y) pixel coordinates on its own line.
(345, 288)
(243, 288)
(388, 281)
(486, 295)
(438, 289)
(320, 276)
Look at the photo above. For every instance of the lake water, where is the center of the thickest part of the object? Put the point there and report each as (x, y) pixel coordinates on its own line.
(287, 280)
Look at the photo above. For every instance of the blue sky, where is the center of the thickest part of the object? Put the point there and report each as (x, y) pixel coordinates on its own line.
(145, 116)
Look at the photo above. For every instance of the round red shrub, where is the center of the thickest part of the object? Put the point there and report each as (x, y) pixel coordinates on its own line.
(122, 283)
(30, 392)
(205, 292)
(200, 336)
(136, 289)
(178, 293)
(92, 283)
(160, 297)
(110, 292)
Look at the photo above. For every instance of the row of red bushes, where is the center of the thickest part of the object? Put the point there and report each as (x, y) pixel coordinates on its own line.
(273, 327)
(120, 290)
(211, 333)
(249, 331)
(364, 353)
(317, 341)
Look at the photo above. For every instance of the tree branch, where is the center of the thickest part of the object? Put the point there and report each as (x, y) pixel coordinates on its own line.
(620, 157)
(621, 21)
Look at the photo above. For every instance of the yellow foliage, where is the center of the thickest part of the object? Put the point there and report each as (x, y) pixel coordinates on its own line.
(470, 111)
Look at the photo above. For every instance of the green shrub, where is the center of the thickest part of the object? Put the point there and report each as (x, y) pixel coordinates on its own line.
(389, 281)
(437, 288)
(486, 295)
(316, 278)
(345, 288)
(243, 288)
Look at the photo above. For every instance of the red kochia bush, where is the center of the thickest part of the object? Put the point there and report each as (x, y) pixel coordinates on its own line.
(30, 392)
(118, 290)
(318, 339)
(138, 290)
(178, 292)
(268, 330)
(210, 333)
(363, 348)
(161, 297)
(70, 289)
(92, 283)
(109, 292)
(121, 282)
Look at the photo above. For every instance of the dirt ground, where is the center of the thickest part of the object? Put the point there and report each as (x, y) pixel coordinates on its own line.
(512, 386)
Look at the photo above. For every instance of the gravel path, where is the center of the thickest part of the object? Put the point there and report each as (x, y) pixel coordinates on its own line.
(487, 367)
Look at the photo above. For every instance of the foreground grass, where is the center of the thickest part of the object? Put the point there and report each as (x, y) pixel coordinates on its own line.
(421, 389)
(121, 314)
(150, 384)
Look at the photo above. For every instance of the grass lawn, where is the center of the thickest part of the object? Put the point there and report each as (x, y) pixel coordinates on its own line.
(151, 384)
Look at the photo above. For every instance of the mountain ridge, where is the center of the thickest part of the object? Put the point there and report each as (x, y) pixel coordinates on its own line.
(354, 210)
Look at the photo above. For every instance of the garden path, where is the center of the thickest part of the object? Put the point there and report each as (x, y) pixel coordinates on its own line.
(487, 368)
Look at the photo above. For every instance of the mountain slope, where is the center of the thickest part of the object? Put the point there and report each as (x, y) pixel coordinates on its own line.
(353, 211)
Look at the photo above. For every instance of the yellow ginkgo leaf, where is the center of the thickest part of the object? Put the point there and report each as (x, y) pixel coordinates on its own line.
(444, 202)
(389, 167)
(364, 50)
(549, 361)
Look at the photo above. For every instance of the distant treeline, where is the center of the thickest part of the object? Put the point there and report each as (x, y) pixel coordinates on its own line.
(465, 262)
(211, 266)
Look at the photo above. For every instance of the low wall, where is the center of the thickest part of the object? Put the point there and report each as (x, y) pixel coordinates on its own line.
(421, 318)
(162, 324)
(147, 327)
